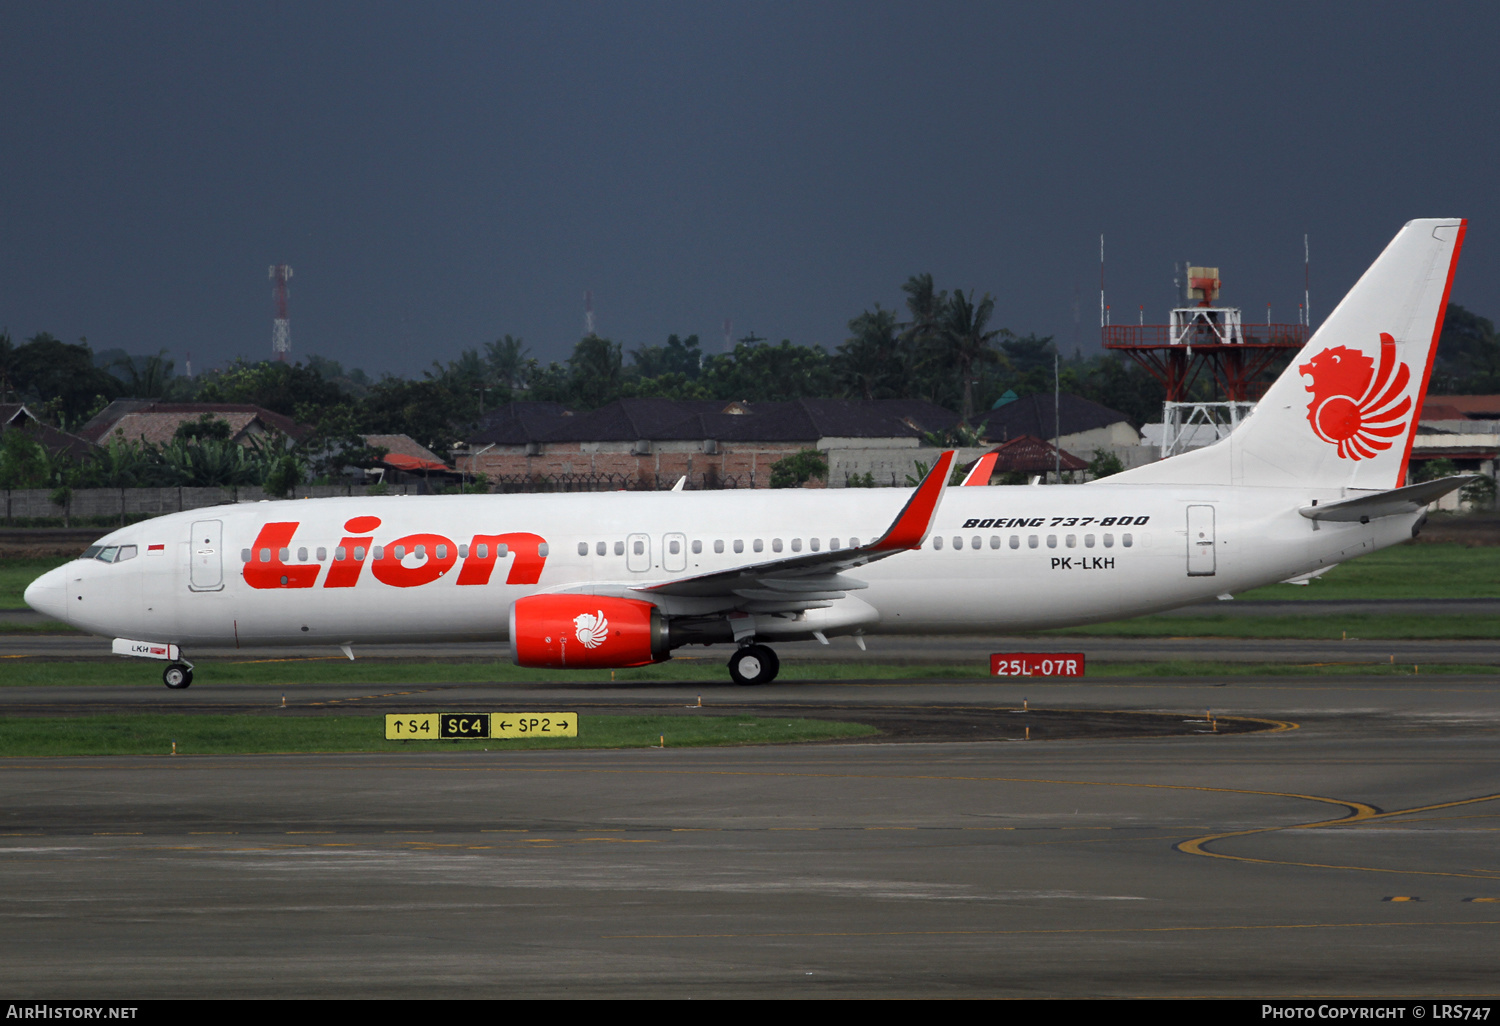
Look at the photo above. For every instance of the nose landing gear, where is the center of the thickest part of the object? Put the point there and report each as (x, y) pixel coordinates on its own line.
(178, 676)
(754, 664)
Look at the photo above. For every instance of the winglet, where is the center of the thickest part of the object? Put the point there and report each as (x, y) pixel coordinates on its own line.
(909, 529)
(980, 473)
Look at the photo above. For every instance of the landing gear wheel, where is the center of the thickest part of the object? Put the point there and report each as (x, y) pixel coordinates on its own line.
(754, 664)
(177, 676)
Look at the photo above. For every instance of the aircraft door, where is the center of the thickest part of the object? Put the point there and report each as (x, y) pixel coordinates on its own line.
(207, 553)
(1200, 541)
(638, 553)
(674, 552)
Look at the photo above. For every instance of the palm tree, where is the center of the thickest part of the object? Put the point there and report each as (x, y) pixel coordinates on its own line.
(865, 364)
(922, 336)
(968, 342)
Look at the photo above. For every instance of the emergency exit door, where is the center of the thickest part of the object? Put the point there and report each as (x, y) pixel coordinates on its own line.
(1200, 541)
(207, 553)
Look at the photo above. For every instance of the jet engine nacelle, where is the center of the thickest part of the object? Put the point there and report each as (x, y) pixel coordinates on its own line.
(586, 630)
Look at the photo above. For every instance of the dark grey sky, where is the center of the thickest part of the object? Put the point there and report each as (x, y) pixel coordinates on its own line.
(439, 175)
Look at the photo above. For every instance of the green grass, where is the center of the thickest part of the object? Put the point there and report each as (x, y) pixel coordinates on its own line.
(1369, 626)
(1413, 571)
(16, 574)
(153, 734)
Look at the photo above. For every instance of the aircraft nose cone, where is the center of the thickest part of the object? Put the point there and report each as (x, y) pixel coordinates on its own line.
(48, 594)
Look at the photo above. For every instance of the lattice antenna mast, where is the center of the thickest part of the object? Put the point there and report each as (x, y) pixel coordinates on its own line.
(281, 327)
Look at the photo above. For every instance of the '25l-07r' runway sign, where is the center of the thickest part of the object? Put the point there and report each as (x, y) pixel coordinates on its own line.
(1036, 664)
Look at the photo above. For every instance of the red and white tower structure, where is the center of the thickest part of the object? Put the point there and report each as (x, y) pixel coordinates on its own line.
(1204, 336)
(281, 327)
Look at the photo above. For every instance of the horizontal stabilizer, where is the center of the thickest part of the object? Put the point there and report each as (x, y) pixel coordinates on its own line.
(1365, 508)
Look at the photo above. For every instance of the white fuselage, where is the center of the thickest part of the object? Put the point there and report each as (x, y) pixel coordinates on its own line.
(1044, 557)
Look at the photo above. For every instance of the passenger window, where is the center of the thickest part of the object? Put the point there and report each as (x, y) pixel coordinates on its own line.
(1125, 540)
(759, 545)
(379, 552)
(854, 543)
(602, 549)
(302, 554)
(265, 555)
(285, 555)
(1031, 541)
(463, 552)
(674, 546)
(421, 551)
(1072, 540)
(739, 546)
(697, 546)
(994, 541)
(619, 548)
(640, 548)
(359, 553)
(482, 551)
(833, 544)
(541, 550)
(775, 544)
(1015, 541)
(400, 552)
(1088, 541)
(814, 544)
(244, 556)
(718, 544)
(796, 544)
(937, 541)
(583, 548)
(976, 543)
(323, 553)
(1109, 541)
(340, 554)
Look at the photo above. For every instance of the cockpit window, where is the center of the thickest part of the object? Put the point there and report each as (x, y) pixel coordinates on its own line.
(126, 552)
(107, 553)
(91, 552)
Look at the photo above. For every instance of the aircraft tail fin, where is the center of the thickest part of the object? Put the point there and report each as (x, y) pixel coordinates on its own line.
(1345, 412)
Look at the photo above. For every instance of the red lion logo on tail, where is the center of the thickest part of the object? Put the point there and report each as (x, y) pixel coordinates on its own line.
(1354, 406)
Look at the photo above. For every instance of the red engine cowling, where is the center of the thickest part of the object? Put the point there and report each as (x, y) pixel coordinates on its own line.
(586, 630)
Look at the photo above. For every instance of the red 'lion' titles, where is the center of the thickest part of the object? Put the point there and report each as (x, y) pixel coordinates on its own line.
(407, 562)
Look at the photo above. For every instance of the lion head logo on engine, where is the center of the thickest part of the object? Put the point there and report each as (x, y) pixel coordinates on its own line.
(1356, 406)
(592, 630)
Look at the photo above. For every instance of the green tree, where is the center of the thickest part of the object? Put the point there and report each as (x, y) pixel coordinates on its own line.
(797, 469)
(1104, 464)
(968, 343)
(769, 373)
(272, 385)
(60, 378)
(144, 377)
(23, 462)
(594, 371)
(868, 365)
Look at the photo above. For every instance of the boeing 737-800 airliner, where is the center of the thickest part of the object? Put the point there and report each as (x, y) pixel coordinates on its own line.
(1311, 478)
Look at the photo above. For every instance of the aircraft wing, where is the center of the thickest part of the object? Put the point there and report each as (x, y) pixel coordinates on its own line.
(1364, 508)
(814, 579)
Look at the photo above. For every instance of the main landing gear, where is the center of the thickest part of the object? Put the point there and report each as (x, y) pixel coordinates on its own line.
(178, 676)
(754, 664)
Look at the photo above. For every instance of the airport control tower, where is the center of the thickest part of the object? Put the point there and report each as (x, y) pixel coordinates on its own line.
(1205, 336)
